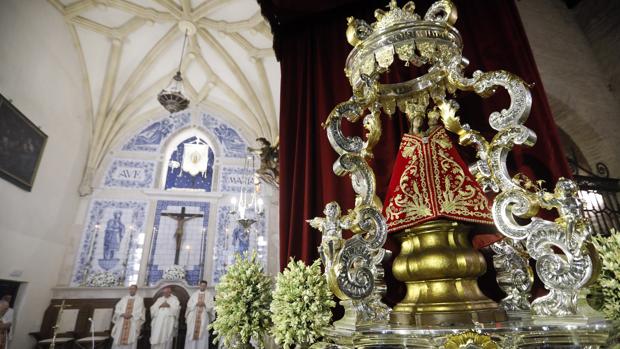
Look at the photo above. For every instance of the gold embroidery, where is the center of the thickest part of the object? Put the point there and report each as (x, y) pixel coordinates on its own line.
(198, 321)
(127, 323)
(456, 196)
(411, 202)
(433, 183)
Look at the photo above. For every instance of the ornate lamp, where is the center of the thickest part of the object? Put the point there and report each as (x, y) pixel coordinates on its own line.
(172, 97)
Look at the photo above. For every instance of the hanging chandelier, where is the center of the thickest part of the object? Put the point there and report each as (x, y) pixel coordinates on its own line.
(172, 97)
(248, 206)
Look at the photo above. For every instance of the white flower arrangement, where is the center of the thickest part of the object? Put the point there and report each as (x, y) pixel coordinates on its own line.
(242, 301)
(301, 307)
(174, 273)
(102, 279)
(606, 290)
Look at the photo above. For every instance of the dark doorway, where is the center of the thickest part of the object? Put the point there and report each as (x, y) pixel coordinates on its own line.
(9, 288)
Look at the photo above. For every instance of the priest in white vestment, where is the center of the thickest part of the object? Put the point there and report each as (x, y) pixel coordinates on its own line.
(128, 319)
(197, 318)
(6, 324)
(164, 320)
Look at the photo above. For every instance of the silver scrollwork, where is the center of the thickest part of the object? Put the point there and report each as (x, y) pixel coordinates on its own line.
(514, 274)
(562, 275)
(353, 267)
(341, 143)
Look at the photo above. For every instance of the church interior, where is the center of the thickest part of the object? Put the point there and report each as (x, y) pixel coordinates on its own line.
(452, 165)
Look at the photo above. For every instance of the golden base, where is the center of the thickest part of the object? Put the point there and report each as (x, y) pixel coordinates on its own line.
(489, 315)
(440, 269)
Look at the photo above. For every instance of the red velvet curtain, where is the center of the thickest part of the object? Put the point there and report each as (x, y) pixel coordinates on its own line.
(311, 45)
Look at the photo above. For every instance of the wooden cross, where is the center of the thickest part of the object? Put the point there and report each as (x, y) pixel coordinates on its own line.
(181, 218)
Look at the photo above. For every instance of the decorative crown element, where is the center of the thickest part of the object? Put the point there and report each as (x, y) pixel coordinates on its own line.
(419, 41)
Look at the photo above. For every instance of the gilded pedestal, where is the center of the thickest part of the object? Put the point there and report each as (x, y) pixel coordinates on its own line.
(440, 269)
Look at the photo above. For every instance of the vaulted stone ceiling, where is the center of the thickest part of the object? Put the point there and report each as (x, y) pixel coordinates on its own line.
(130, 50)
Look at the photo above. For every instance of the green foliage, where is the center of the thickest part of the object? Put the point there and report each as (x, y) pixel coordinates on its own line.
(242, 301)
(606, 290)
(301, 304)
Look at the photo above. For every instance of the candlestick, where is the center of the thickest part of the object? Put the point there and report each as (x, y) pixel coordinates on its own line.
(188, 248)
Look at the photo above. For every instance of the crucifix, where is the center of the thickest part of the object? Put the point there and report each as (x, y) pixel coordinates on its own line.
(181, 218)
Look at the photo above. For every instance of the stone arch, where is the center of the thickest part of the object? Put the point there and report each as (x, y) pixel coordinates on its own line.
(152, 134)
(149, 139)
(176, 136)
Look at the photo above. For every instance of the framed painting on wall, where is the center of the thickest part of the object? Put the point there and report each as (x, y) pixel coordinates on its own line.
(21, 146)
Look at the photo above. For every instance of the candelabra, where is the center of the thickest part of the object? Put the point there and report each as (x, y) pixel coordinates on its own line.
(248, 206)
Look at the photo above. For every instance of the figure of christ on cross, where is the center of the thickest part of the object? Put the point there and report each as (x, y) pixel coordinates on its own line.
(181, 218)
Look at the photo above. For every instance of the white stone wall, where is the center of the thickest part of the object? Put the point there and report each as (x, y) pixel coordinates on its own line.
(40, 73)
(576, 84)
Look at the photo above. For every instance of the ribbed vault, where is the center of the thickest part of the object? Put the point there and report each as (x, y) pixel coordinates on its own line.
(130, 50)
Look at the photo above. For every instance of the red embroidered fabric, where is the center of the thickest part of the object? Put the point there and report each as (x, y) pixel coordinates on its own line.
(429, 181)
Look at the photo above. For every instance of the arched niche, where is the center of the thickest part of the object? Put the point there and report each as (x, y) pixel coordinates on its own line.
(173, 152)
(141, 155)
